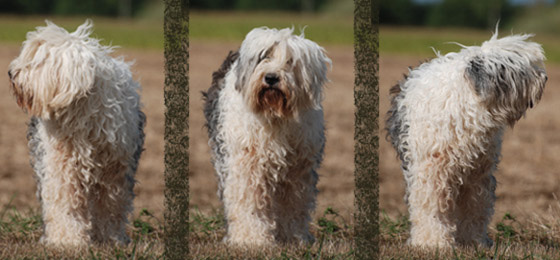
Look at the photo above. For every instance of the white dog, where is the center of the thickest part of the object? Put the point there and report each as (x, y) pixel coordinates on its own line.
(85, 135)
(447, 121)
(265, 123)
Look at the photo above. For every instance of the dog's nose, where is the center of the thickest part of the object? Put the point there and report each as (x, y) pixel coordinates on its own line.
(10, 74)
(271, 79)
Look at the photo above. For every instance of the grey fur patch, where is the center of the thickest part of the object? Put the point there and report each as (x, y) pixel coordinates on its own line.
(504, 90)
(138, 152)
(478, 76)
(36, 153)
(211, 112)
(395, 125)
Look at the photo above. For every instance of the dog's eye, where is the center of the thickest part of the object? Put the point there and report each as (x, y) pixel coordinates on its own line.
(290, 61)
(262, 56)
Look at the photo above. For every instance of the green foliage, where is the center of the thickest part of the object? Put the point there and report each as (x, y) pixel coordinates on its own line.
(144, 224)
(202, 224)
(455, 13)
(465, 13)
(400, 12)
(506, 229)
(292, 5)
(327, 222)
(394, 228)
(539, 19)
(71, 7)
(14, 224)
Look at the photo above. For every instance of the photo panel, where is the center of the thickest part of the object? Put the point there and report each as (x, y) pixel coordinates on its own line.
(476, 181)
(212, 35)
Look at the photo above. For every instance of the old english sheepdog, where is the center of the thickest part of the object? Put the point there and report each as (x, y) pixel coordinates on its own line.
(265, 125)
(85, 135)
(446, 121)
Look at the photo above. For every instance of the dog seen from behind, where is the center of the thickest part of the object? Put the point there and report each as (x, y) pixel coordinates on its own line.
(447, 120)
(85, 135)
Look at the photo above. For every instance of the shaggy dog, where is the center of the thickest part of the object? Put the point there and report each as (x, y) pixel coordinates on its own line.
(446, 122)
(265, 125)
(85, 135)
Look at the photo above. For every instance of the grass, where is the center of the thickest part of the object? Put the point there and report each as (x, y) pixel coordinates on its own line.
(227, 26)
(333, 236)
(328, 28)
(219, 26)
(513, 239)
(21, 231)
(143, 34)
(419, 41)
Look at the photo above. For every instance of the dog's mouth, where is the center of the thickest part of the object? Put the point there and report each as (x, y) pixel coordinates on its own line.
(272, 99)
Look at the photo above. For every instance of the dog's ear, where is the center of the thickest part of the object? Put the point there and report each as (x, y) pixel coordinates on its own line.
(316, 65)
(488, 85)
(53, 70)
(243, 69)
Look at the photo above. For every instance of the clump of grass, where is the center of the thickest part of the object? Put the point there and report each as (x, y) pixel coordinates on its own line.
(395, 230)
(16, 226)
(206, 228)
(147, 227)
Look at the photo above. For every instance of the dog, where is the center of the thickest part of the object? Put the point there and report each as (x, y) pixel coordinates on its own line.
(447, 120)
(85, 135)
(266, 132)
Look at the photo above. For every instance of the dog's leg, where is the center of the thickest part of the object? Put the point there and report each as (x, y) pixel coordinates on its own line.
(477, 197)
(65, 204)
(431, 199)
(294, 202)
(247, 202)
(112, 202)
(476, 207)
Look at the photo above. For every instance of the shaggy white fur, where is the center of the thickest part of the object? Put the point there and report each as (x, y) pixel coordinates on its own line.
(447, 121)
(265, 123)
(85, 135)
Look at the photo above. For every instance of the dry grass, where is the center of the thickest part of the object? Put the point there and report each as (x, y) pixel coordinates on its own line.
(20, 233)
(536, 238)
(333, 239)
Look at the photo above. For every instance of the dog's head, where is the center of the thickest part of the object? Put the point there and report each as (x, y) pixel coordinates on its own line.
(509, 75)
(54, 68)
(280, 74)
